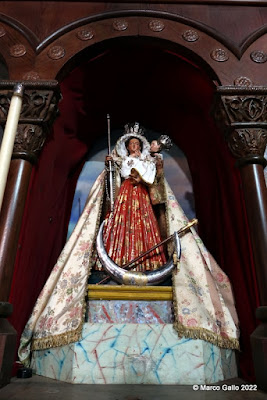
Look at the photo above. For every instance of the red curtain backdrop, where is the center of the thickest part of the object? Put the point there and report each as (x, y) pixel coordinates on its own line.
(163, 92)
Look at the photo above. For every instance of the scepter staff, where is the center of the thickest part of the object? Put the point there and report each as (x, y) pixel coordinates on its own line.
(110, 169)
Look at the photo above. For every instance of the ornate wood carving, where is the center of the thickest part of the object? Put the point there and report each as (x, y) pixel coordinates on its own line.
(246, 108)
(248, 143)
(219, 55)
(85, 34)
(243, 81)
(156, 25)
(39, 110)
(242, 114)
(258, 56)
(31, 76)
(29, 141)
(18, 50)
(56, 52)
(120, 25)
(190, 35)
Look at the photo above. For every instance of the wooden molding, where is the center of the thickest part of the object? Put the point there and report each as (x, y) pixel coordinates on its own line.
(196, 2)
(127, 292)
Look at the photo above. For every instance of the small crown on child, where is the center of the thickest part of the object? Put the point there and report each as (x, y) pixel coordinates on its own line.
(134, 128)
(165, 142)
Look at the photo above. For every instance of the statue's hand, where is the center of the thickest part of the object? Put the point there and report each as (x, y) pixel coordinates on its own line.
(107, 159)
(134, 177)
(159, 163)
(136, 153)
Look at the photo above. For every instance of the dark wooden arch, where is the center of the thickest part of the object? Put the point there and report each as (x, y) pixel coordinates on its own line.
(43, 59)
(57, 51)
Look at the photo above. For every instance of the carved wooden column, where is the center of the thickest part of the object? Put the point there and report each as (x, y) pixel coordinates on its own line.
(39, 110)
(242, 113)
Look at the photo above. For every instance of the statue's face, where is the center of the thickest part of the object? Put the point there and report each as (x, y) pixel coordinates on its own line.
(154, 147)
(134, 146)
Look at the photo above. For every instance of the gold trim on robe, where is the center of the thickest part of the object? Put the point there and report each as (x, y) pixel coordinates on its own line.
(202, 295)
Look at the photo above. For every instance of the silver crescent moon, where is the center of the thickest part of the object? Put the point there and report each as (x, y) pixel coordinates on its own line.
(127, 277)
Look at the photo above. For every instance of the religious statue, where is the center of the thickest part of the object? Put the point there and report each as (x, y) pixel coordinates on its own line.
(202, 297)
(132, 228)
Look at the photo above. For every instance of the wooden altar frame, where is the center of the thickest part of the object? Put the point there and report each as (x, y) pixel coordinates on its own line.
(29, 58)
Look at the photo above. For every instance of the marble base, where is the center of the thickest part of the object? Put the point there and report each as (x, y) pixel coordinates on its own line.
(135, 354)
(131, 312)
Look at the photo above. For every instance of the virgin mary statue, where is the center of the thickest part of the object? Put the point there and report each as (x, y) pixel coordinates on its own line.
(203, 302)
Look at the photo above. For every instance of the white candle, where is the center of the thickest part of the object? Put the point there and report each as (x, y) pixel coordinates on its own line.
(9, 137)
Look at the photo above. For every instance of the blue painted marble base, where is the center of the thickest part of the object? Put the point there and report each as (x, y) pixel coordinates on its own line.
(135, 354)
(131, 312)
